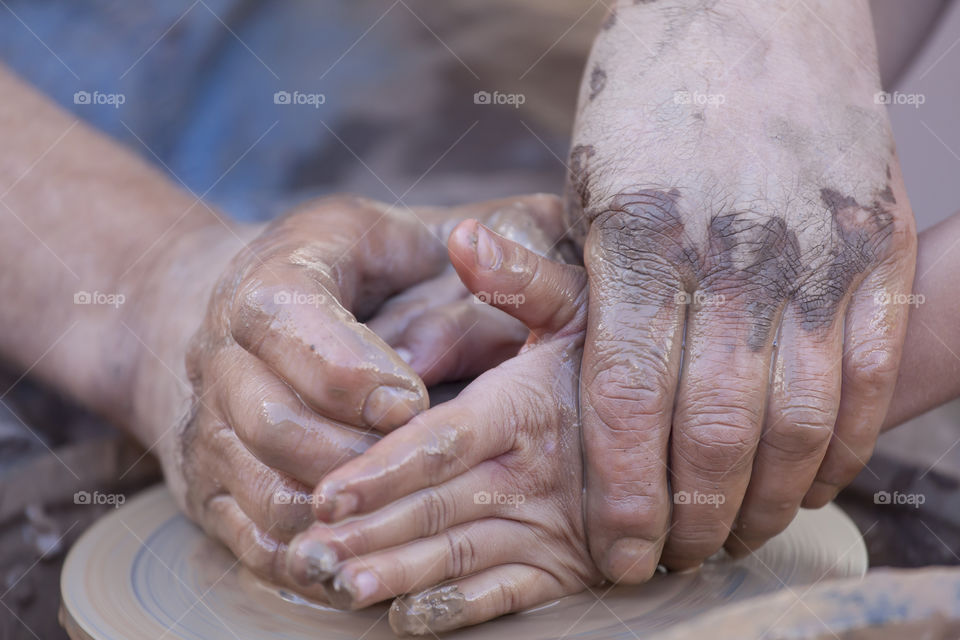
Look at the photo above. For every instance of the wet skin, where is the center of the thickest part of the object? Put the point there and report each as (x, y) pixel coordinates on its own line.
(288, 384)
(743, 218)
(485, 489)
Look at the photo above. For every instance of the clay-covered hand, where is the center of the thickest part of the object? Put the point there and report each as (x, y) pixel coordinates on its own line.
(288, 383)
(482, 493)
(749, 245)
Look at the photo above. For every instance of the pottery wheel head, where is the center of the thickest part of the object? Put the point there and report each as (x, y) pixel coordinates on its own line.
(145, 571)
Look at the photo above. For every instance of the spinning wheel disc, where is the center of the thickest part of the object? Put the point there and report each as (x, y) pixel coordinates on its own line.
(146, 571)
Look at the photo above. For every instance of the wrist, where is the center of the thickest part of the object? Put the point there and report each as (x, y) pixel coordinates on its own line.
(172, 295)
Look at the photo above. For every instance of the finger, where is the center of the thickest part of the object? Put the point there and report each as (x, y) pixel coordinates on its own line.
(256, 548)
(801, 411)
(874, 331)
(628, 378)
(434, 447)
(273, 501)
(456, 552)
(533, 221)
(495, 592)
(545, 295)
(449, 441)
(396, 314)
(337, 366)
(316, 552)
(295, 314)
(460, 340)
(717, 423)
(278, 428)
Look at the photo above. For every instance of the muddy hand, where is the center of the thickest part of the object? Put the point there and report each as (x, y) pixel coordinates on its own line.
(288, 384)
(487, 485)
(446, 332)
(747, 237)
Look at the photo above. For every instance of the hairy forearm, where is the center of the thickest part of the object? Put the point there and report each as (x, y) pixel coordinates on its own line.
(80, 215)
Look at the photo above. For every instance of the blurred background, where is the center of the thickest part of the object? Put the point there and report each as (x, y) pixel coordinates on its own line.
(254, 106)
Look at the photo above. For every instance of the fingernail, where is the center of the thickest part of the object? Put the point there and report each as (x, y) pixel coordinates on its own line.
(339, 593)
(365, 584)
(630, 560)
(390, 407)
(489, 255)
(344, 504)
(428, 612)
(310, 561)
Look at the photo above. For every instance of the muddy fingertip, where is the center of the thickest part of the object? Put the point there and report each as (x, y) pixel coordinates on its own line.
(428, 612)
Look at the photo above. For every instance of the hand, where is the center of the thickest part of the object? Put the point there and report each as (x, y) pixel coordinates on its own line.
(484, 490)
(743, 213)
(288, 384)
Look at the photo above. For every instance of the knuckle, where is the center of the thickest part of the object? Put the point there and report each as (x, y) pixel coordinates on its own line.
(721, 445)
(619, 399)
(507, 597)
(461, 554)
(872, 367)
(800, 429)
(435, 514)
(640, 231)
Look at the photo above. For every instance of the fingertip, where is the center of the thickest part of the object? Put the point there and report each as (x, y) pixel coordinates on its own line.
(630, 561)
(387, 407)
(332, 504)
(309, 561)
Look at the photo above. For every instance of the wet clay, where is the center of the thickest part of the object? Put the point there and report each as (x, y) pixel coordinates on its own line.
(886, 605)
(141, 572)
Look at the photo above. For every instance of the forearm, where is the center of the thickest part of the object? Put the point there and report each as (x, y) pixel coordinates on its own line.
(80, 214)
(930, 369)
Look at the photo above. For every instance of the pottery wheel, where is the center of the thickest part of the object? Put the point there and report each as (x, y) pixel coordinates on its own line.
(145, 571)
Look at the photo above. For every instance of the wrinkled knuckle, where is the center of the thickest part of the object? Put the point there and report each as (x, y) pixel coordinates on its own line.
(435, 514)
(620, 402)
(461, 554)
(721, 445)
(640, 231)
(253, 311)
(508, 597)
(801, 429)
